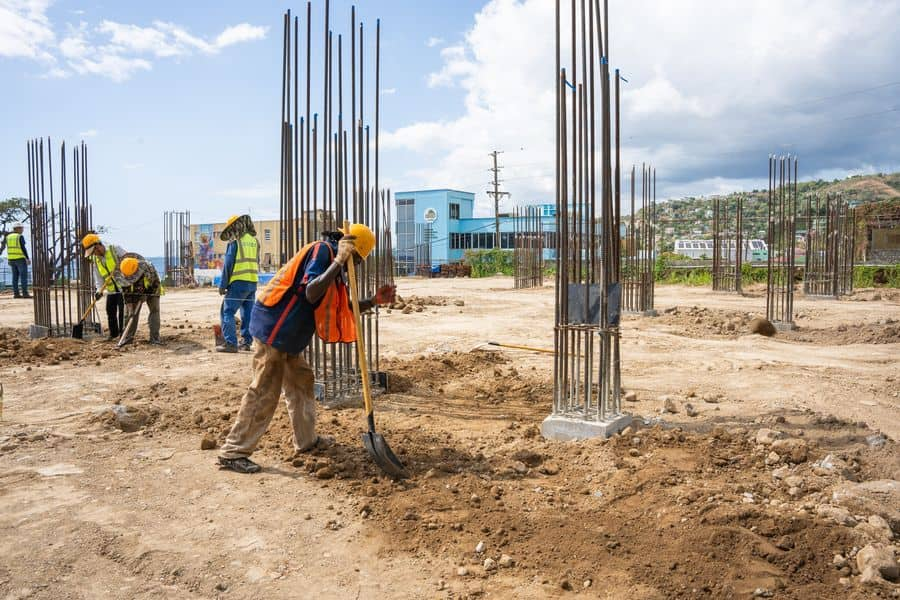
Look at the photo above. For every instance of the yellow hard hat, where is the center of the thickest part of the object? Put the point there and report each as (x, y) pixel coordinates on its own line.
(232, 219)
(129, 266)
(88, 242)
(365, 239)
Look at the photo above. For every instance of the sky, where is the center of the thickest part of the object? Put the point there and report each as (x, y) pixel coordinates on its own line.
(179, 102)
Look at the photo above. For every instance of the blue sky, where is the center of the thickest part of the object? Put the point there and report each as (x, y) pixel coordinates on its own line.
(179, 102)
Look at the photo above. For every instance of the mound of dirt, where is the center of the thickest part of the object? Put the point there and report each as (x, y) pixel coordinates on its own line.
(702, 322)
(761, 326)
(886, 331)
(418, 303)
(17, 349)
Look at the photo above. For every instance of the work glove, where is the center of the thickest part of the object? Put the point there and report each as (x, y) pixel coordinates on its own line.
(385, 294)
(223, 291)
(98, 294)
(346, 249)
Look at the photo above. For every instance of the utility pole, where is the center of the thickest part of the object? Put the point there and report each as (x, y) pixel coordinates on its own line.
(497, 194)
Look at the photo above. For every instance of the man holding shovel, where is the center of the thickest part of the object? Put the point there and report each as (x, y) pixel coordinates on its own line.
(140, 284)
(307, 296)
(105, 258)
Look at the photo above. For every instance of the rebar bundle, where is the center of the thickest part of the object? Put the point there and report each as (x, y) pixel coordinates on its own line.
(728, 244)
(528, 250)
(782, 241)
(588, 294)
(62, 287)
(830, 239)
(178, 249)
(639, 251)
(330, 172)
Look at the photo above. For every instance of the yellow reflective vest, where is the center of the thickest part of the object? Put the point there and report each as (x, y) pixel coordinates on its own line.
(105, 266)
(14, 247)
(246, 263)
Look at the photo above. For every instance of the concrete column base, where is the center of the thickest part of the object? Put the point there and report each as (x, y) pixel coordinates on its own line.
(38, 332)
(566, 429)
(650, 313)
(783, 325)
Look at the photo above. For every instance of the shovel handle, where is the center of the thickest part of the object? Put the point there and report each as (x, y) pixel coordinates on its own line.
(360, 343)
(517, 347)
(96, 299)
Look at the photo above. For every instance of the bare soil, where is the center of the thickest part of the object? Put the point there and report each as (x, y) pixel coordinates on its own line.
(106, 491)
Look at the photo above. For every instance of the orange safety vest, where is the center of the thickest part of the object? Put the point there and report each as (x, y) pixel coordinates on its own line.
(334, 317)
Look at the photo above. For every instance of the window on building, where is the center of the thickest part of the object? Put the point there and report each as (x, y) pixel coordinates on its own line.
(454, 211)
(268, 234)
(507, 240)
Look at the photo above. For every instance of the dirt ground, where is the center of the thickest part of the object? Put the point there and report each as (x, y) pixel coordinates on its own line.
(757, 467)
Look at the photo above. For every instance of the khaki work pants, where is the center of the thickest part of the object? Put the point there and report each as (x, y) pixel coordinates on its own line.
(133, 317)
(273, 371)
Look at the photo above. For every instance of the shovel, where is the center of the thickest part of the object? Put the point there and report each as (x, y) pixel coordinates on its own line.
(78, 330)
(374, 442)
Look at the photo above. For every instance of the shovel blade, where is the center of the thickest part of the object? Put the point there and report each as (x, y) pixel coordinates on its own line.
(78, 331)
(217, 333)
(382, 454)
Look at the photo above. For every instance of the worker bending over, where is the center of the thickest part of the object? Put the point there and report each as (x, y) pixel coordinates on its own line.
(240, 274)
(105, 259)
(140, 284)
(307, 296)
(17, 257)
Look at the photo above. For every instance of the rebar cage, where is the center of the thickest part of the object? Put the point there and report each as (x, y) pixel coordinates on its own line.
(178, 249)
(330, 173)
(639, 247)
(830, 242)
(782, 240)
(61, 275)
(728, 244)
(588, 294)
(528, 248)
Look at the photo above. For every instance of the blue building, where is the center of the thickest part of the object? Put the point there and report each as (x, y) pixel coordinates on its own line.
(438, 226)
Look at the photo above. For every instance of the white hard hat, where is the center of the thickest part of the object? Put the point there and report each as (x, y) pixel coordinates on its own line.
(18, 226)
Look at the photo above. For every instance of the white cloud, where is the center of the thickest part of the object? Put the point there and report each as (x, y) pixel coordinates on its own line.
(25, 30)
(89, 133)
(237, 34)
(111, 49)
(388, 91)
(434, 41)
(713, 89)
(132, 166)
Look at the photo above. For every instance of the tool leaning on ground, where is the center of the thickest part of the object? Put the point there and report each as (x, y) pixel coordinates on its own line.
(375, 444)
(78, 330)
(516, 347)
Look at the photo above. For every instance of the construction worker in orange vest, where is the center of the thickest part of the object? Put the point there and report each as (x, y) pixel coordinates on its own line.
(307, 296)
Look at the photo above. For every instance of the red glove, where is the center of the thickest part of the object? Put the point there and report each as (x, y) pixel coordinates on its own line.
(385, 294)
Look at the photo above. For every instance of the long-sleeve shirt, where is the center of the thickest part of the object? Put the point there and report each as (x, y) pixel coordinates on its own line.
(100, 276)
(228, 264)
(21, 245)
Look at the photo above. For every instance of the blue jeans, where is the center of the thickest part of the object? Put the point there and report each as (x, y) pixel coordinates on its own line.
(240, 297)
(19, 268)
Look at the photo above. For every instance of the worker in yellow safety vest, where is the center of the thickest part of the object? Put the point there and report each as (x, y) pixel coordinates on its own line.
(240, 274)
(105, 258)
(17, 257)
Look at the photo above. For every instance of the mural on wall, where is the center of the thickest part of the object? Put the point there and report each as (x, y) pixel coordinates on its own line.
(206, 255)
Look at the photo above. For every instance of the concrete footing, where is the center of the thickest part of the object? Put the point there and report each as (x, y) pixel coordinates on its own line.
(783, 325)
(38, 332)
(566, 429)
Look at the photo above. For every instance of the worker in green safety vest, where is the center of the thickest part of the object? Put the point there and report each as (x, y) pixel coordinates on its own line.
(17, 257)
(105, 258)
(240, 274)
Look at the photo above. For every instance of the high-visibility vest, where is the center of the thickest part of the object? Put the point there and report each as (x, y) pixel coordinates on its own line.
(106, 266)
(334, 317)
(14, 247)
(246, 264)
